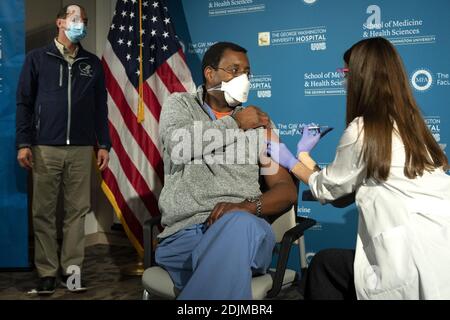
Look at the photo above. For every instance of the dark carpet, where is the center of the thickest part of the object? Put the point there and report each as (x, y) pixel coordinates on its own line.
(101, 274)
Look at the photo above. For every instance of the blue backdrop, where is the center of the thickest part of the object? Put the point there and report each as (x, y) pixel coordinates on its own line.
(13, 188)
(294, 48)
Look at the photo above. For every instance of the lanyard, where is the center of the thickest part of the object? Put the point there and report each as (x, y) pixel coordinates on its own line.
(209, 111)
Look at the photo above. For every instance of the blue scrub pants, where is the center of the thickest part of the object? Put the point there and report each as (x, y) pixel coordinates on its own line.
(218, 262)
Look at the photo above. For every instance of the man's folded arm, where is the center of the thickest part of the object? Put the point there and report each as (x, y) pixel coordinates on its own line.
(187, 139)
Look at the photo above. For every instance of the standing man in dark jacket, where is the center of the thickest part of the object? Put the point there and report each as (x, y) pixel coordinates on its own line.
(61, 116)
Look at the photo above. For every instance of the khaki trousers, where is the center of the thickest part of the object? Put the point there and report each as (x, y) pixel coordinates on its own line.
(69, 168)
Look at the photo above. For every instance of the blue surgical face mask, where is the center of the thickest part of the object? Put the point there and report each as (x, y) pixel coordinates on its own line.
(75, 31)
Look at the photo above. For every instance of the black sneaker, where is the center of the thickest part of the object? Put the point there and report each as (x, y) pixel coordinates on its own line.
(46, 286)
(72, 287)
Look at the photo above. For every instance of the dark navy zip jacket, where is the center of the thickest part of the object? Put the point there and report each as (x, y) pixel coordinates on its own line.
(59, 104)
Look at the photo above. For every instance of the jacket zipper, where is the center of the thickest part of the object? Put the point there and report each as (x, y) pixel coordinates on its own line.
(60, 75)
(38, 124)
(69, 105)
(69, 93)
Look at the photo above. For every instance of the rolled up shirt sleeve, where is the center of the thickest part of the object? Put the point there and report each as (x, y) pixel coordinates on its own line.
(346, 172)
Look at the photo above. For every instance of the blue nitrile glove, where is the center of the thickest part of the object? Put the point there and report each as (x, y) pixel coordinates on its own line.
(309, 139)
(281, 154)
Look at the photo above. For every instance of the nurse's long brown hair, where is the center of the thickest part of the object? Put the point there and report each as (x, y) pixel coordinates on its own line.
(378, 90)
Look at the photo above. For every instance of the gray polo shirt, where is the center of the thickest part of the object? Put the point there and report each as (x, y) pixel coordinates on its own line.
(198, 173)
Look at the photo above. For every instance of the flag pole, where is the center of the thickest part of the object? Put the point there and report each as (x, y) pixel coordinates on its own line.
(137, 268)
(140, 115)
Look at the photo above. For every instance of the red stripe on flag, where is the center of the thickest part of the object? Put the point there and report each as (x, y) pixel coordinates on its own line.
(181, 53)
(141, 137)
(151, 101)
(134, 176)
(169, 78)
(133, 224)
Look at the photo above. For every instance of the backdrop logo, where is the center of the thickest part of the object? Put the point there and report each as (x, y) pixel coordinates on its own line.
(231, 7)
(443, 79)
(309, 1)
(264, 39)
(291, 129)
(434, 124)
(262, 84)
(325, 83)
(403, 31)
(314, 37)
(422, 80)
(199, 48)
(303, 211)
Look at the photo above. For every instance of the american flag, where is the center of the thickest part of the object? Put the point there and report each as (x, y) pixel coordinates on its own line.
(143, 63)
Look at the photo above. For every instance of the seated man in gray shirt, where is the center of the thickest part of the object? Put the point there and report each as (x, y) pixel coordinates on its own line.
(212, 207)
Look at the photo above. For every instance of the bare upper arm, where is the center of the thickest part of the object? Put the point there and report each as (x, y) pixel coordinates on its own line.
(272, 172)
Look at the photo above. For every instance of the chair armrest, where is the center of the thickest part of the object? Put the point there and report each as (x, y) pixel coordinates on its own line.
(149, 258)
(344, 201)
(288, 239)
(341, 202)
(308, 196)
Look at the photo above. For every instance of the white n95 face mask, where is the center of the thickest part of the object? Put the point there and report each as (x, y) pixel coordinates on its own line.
(235, 91)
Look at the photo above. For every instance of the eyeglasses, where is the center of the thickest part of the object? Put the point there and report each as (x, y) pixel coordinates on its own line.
(343, 71)
(235, 72)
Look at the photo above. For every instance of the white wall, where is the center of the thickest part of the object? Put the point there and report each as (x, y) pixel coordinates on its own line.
(40, 21)
(42, 13)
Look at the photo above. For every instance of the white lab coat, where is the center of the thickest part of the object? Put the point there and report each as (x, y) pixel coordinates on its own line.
(403, 242)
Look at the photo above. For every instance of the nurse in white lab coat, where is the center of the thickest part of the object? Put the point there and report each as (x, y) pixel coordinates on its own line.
(389, 159)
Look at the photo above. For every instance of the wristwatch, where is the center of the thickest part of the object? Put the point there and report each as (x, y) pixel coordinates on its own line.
(256, 200)
(233, 115)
